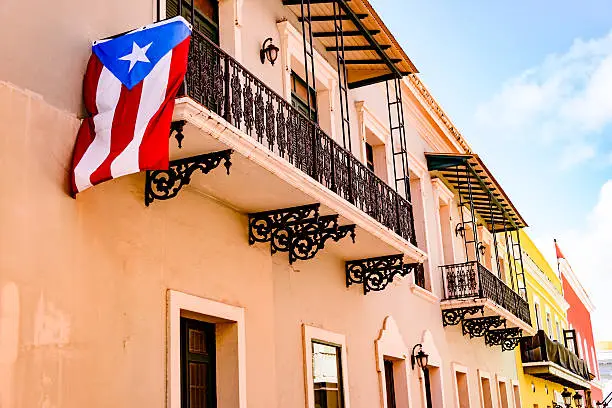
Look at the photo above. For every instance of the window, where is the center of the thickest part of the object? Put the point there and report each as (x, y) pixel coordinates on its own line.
(299, 97)
(485, 385)
(537, 315)
(198, 379)
(517, 396)
(205, 20)
(463, 392)
(327, 375)
(503, 394)
(390, 384)
(559, 337)
(369, 156)
(549, 325)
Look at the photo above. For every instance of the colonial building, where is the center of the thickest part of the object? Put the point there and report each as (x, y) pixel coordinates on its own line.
(324, 236)
(579, 321)
(547, 367)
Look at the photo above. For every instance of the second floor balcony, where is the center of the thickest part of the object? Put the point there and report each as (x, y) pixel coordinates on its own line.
(553, 361)
(473, 281)
(483, 227)
(282, 164)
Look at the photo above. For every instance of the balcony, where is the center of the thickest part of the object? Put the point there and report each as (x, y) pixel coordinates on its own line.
(281, 158)
(550, 360)
(471, 289)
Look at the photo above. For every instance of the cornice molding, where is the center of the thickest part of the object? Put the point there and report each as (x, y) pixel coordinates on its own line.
(568, 273)
(437, 112)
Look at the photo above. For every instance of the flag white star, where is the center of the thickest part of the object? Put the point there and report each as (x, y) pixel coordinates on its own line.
(137, 55)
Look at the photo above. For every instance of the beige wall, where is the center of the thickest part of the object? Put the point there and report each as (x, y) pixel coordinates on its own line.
(83, 282)
(90, 276)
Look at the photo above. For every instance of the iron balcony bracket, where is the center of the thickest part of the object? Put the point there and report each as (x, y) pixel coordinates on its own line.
(376, 273)
(478, 326)
(166, 184)
(507, 338)
(452, 317)
(300, 231)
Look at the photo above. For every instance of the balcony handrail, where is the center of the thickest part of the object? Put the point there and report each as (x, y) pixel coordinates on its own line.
(270, 90)
(472, 279)
(219, 82)
(541, 348)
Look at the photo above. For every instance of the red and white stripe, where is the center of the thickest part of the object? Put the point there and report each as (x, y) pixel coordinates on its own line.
(128, 129)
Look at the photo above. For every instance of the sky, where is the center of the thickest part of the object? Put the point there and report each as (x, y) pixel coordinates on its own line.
(529, 84)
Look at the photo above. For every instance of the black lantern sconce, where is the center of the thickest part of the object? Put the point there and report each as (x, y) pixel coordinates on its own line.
(269, 52)
(459, 230)
(481, 248)
(567, 397)
(420, 358)
(577, 400)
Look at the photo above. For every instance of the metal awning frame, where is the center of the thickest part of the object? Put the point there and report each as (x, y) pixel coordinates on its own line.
(441, 164)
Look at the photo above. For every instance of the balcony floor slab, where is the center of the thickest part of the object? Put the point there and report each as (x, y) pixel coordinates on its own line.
(260, 180)
(491, 309)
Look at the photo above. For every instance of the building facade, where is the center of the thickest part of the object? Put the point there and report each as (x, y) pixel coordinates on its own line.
(579, 320)
(546, 365)
(321, 223)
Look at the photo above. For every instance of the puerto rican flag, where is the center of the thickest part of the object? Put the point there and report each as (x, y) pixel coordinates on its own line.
(129, 89)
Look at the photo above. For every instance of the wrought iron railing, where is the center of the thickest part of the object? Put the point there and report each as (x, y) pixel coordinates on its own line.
(217, 81)
(473, 280)
(540, 348)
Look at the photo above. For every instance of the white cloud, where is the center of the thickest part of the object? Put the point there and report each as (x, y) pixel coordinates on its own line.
(589, 251)
(564, 100)
(574, 154)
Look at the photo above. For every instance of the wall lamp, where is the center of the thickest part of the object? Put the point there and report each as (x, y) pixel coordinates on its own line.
(577, 400)
(481, 248)
(567, 397)
(419, 358)
(269, 51)
(459, 229)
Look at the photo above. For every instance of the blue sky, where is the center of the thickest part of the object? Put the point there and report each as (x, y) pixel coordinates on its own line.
(529, 84)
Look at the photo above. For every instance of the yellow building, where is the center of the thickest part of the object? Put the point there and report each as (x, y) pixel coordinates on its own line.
(545, 366)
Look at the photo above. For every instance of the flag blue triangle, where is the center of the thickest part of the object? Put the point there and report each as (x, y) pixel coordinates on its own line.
(151, 43)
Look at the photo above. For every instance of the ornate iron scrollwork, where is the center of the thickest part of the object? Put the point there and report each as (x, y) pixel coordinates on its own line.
(166, 184)
(478, 326)
(300, 231)
(176, 128)
(452, 317)
(507, 338)
(376, 273)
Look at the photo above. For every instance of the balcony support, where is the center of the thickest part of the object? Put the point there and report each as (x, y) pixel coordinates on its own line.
(166, 184)
(507, 338)
(176, 128)
(300, 231)
(376, 273)
(477, 327)
(452, 317)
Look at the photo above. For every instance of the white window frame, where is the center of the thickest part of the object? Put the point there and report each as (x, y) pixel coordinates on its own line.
(498, 384)
(538, 316)
(390, 343)
(367, 120)
(516, 385)
(231, 40)
(444, 195)
(179, 303)
(310, 334)
(292, 47)
(487, 375)
(458, 368)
